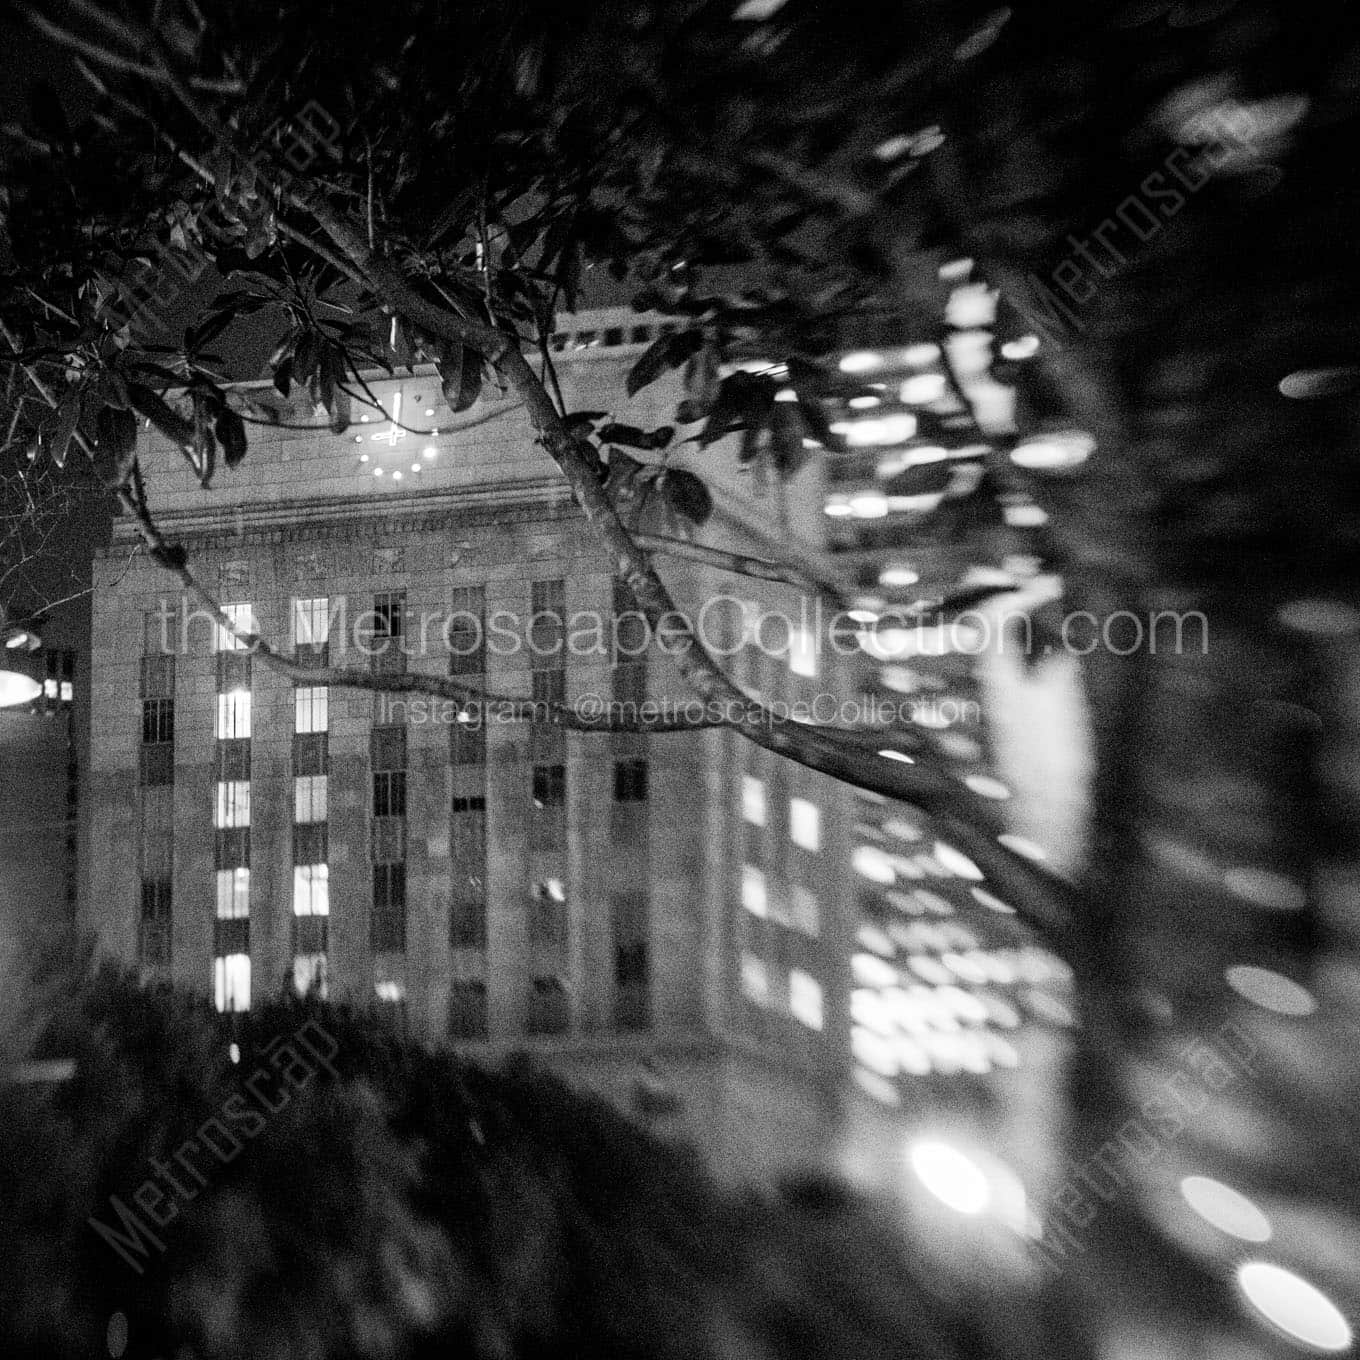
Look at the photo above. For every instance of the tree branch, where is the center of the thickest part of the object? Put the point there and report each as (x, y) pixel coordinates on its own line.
(738, 564)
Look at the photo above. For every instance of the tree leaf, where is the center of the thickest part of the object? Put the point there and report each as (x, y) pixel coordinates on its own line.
(744, 402)
(168, 421)
(786, 437)
(450, 369)
(62, 427)
(687, 495)
(470, 381)
(634, 438)
(341, 410)
(231, 434)
(115, 448)
(670, 351)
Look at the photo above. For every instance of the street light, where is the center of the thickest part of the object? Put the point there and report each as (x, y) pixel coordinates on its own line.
(21, 667)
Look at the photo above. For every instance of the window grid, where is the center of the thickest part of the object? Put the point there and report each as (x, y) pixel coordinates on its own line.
(240, 616)
(309, 798)
(233, 715)
(233, 804)
(311, 621)
(233, 894)
(311, 890)
(311, 709)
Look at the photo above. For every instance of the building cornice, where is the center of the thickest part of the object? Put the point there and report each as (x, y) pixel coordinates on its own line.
(348, 517)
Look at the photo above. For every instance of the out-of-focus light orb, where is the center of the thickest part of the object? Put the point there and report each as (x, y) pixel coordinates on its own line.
(893, 147)
(1001, 1012)
(1325, 618)
(234, 1052)
(428, 451)
(876, 941)
(860, 361)
(1049, 452)
(931, 717)
(972, 304)
(429, 410)
(16, 688)
(1297, 1308)
(878, 1087)
(956, 862)
(954, 270)
(953, 1177)
(862, 616)
(921, 388)
(900, 756)
(864, 403)
(1310, 384)
(1046, 1006)
(1024, 516)
(986, 787)
(1022, 347)
(1262, 888)
(891, 429)
(1271, 991)
(873, 1051)
(415, 467)
(786, 394)
(933, 902)
(869, 505)
(1001, 1051)
(363, 457)
(985, 899)
(898, 576)
(377, 472)
(870, 862)
(1021, 846)
(396, 476)
(1227, 1210)
(912, 1057)
(918, 356)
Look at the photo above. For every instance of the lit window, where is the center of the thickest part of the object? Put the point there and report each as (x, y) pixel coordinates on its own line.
(309, 974)
(803, 653)
(311, 890)
(233, 715)
(231, 982)
(309, 798)
(240, 616)
(805, 998)
(311, 708)
(311, 622)
(753, 800)
(805, 824)
(755, 980)
(233, 894)
(805, 914)
(233, 803)
(753, 895)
